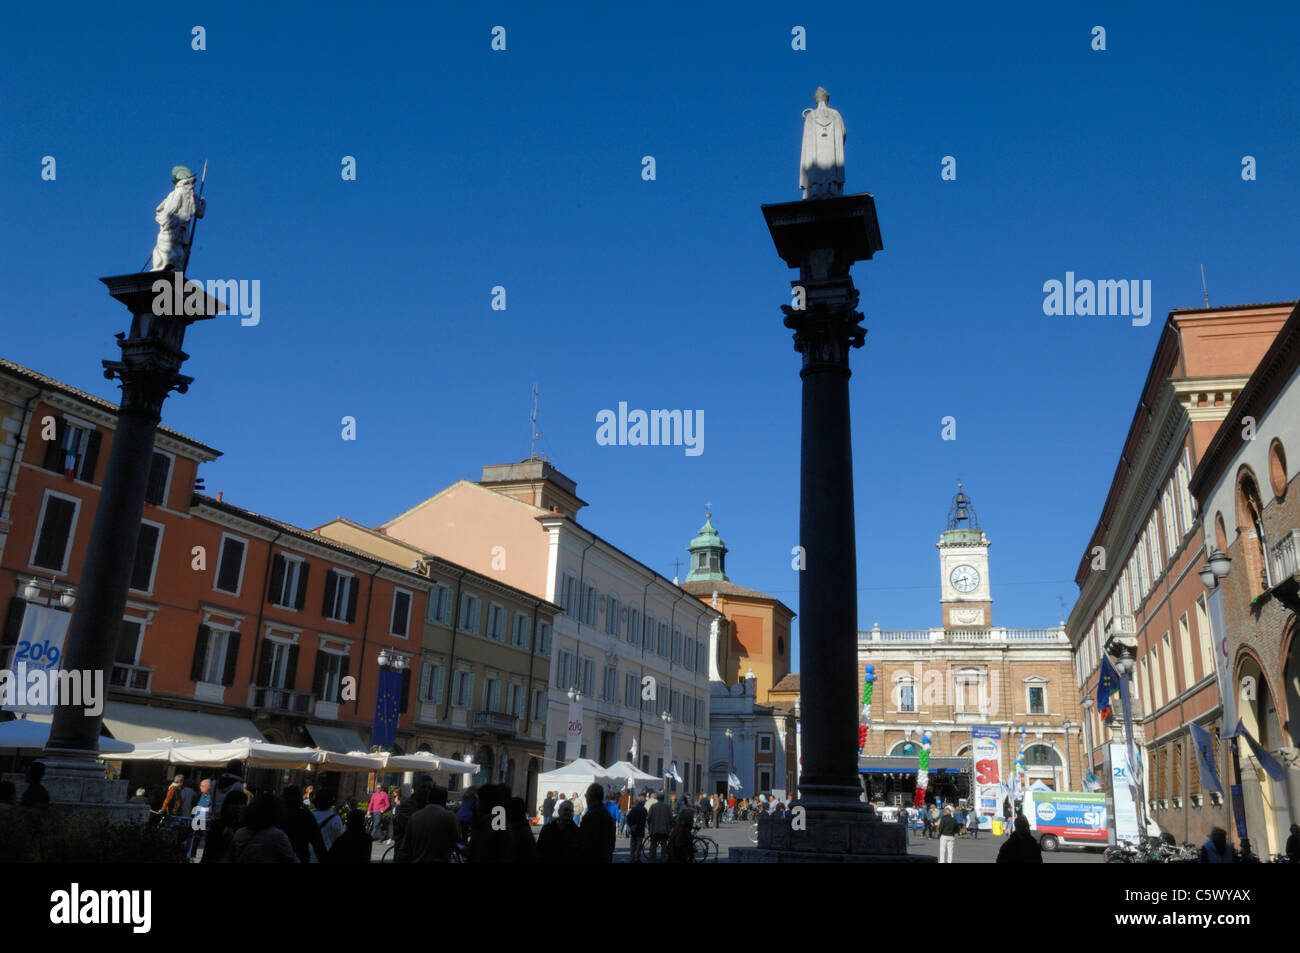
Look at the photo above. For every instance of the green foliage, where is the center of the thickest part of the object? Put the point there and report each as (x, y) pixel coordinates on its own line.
(45, 836)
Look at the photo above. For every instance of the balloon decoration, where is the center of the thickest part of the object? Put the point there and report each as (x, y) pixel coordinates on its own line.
(922, 772)
(864, 725)
(1019, 770)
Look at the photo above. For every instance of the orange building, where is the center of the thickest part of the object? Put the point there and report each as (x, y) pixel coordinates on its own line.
(236, 624)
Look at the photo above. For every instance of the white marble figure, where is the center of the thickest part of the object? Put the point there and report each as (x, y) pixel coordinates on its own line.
(821, 161)
(173, 216)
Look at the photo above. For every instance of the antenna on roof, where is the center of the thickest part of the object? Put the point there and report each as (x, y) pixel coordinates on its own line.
(1204, 290)
(532, 442)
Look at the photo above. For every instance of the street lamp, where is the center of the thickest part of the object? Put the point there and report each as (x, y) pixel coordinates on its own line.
(1087, 705)
(32, 592)
(1217, 567)
(1125, 655)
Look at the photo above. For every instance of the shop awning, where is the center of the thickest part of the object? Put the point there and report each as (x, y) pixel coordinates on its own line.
(905, 764)
(138, 724)
(333, 738)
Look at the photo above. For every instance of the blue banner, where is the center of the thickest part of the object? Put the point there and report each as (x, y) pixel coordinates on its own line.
(387, 702)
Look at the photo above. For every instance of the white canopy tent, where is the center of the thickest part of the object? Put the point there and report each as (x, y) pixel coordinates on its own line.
(256, 753)
(628, 773)
(574, 776)
(428, 762)
(352, 761)
(23, 734)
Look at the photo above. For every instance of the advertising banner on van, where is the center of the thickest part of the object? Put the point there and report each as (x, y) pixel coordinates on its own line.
(1075, 818)
(986, 751)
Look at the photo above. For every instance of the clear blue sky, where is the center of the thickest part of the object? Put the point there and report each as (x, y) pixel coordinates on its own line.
(523, 169)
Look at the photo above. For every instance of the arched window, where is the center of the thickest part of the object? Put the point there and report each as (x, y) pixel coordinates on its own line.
(905, 693)
(1250, 526)
(906, 749)
(1041, 756)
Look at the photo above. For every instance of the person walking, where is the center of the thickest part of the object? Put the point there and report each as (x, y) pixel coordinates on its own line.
(681, 842)
(171, 804)
(1020, 847)
(636, 819)
(261, 839)
(548, 808)
(299, 826)
(1293, 845)
(328, 822)
(902, 822)
(947, 836)
(598, 828)
(378, 806)
(660, 825)
(718, 807)
(354, 844)
(1216, 849)
(432, 832)
(560, 842)
(973, 824)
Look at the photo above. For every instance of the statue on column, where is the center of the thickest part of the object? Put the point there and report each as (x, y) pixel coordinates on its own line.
(173, 216)
(821, 161)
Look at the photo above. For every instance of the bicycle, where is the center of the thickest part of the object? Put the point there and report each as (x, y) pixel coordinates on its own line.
(459, 854)
(706, 850)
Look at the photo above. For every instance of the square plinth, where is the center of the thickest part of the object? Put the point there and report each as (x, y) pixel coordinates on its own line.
(846, 223)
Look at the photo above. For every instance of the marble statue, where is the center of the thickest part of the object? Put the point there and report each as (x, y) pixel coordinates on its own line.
(173, 216)
(821, 161)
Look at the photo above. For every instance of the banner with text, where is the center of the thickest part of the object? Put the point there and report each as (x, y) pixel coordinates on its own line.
(986, 750)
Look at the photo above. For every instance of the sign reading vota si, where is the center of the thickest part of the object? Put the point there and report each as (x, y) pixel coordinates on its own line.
(986, 751)
(1072, 817)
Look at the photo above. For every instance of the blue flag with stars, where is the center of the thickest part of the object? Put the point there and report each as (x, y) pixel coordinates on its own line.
(1107, 683)
(387, 702)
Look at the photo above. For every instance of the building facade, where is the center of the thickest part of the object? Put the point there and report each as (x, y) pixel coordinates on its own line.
(965, 678)
(1247, 490)
(629, 661)
(483, 670)
(1139, 588)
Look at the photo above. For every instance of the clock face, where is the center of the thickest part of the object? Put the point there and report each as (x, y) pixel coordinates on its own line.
(964, 578)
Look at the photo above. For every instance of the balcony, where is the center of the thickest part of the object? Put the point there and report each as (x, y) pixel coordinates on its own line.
(285, 700)
(130, 678)
(1121, 627)
(496, 723)
(908, 638)
(1285, 558)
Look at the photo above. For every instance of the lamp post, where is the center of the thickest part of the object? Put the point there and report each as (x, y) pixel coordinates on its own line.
(667, 719)
(1217, 567)
(1068, 725)
(1087, 705)
(32, 592)
(1125, 655)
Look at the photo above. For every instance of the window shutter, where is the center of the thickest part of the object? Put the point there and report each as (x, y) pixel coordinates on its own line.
(145, 545)
(54, 448)
(406, 690)
(91, 456)
(332, 580)
(301, 599)
(318, 676)
(200, 654)
(353, 585)
(425, 669)
(14, 620)
(55, 527)
(232, 657)
(291, 675)
(343, 674)
(277, 578)
(264, 663)
(157, 486)
(439, 680)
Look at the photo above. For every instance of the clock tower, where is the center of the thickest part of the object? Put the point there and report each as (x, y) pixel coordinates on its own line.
(964, 569)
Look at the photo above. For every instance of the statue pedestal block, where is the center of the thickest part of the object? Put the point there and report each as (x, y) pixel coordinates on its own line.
(828, 836)
(80, 795)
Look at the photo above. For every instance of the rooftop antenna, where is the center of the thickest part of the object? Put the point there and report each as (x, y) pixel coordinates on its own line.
(1204, 290)
(533, 429)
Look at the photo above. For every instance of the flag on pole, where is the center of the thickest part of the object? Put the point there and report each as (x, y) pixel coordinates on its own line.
(383, 730)
(1272, 767)
(633, 758)
(1106, 684)
(1205, 759)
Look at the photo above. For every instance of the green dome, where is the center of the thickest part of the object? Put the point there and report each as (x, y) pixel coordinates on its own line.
(708, 556)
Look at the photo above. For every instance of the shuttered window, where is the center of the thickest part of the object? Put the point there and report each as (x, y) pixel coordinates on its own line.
(146, 551)
(53, 538)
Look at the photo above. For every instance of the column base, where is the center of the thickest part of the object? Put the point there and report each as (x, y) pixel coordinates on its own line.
(830, 831)
(757, 855)
(77, 794)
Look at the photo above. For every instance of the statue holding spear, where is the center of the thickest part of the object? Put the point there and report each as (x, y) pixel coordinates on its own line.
(177, 217)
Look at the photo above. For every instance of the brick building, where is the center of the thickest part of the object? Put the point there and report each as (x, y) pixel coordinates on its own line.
(1247, 489)
(1138, 576)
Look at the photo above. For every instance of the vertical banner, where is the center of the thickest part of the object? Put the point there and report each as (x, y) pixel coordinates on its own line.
(36, 657)
(383, 732)
(986, 750)
(1227, 693)
(573, 740)
(1123, 788)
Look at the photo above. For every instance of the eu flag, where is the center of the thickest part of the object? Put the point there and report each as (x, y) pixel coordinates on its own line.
(1107, 683)
(384, 732)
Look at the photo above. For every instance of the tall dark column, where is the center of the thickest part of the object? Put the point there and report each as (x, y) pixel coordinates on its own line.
(823, 238)
(149, 369)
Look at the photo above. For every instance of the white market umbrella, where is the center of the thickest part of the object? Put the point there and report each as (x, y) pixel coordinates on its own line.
(23, 734)
(352, 761)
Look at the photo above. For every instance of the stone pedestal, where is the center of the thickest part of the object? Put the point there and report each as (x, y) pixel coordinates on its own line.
(83, 795)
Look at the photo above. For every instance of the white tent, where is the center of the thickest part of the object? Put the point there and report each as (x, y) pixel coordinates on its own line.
(628, 773)
(256, 753)
(574, 776)
(427, 761)
(23, 734)
(352, 761)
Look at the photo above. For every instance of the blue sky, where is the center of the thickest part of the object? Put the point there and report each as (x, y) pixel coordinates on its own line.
(523, 169)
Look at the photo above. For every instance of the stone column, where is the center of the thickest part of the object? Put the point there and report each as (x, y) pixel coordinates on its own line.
(151, 358)
(823, 238)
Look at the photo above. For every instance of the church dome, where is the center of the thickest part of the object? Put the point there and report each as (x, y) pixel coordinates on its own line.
(708, 555)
